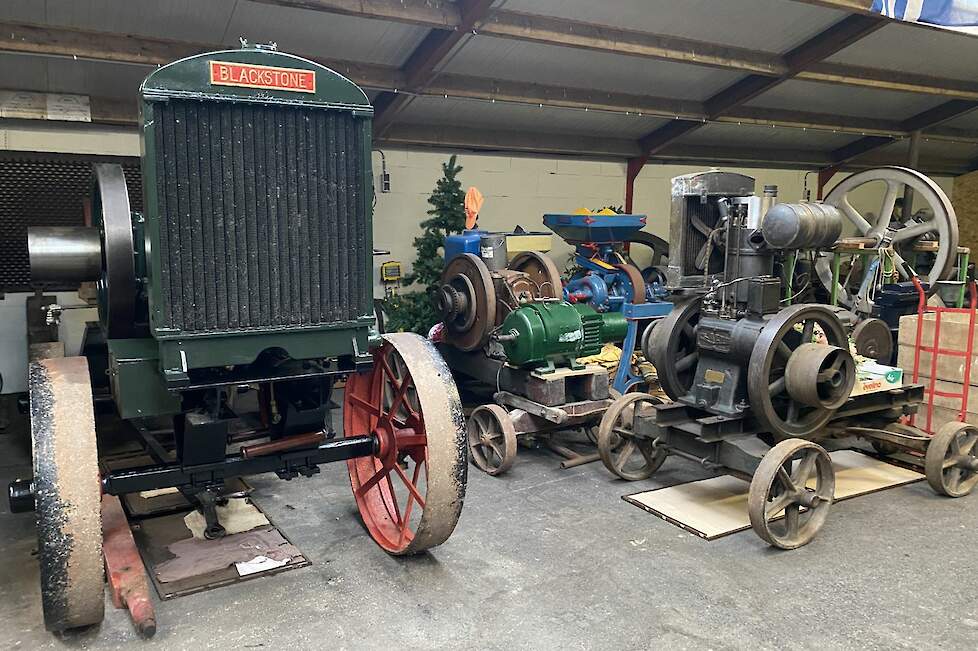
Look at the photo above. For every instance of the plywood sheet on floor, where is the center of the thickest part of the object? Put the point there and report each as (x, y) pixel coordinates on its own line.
(715, 507)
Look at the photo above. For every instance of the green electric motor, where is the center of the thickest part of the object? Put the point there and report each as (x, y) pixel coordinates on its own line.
(545, 333)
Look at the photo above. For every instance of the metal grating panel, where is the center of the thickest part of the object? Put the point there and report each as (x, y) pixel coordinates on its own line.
(38, 190)
(262, 220)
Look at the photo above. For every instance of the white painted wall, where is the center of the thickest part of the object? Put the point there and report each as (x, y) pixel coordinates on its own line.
(13, 335)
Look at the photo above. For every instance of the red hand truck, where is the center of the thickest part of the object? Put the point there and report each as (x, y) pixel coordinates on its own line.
(935, 350)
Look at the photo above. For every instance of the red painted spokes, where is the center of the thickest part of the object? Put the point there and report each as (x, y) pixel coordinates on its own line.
(390, 487)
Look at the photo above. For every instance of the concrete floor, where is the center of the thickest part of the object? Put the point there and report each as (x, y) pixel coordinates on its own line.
(552, 559)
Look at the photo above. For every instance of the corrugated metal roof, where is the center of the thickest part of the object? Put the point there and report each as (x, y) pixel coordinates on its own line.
(313, 33)
(767, 25)
(845, 100)
(967, 121)
(487, 56)
(533, 119)
(99, 79)
(905, 48)
(752, 136)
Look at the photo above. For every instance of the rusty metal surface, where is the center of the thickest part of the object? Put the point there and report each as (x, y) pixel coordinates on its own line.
(124, 569)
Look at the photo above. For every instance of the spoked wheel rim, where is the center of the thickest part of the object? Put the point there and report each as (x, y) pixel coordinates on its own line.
(943, 226)
(410, 491)
(951, 463)
(492, 439)
(672, 348)
(68, 494)
(541, 270)
(628, 456)
(791, 493)
(775, 409)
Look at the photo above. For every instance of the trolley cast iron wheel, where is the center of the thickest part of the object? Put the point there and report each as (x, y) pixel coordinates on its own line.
(68, 495)
(784, 510)
(776, 410)
(942, 227)
(951, 463)
(628, 456)
(672, 348)
(410, 491)
(492, 439)
(542, 271)
(467, 302)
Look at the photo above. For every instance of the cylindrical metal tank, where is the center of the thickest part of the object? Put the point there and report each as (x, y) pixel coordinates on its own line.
(801, 225)
(63, 254)
(493, 250)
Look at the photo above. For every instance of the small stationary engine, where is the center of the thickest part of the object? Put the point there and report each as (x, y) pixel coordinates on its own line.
(733, 346)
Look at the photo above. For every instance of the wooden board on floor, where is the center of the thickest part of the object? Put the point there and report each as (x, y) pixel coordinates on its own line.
(154, 535)
(716, 507)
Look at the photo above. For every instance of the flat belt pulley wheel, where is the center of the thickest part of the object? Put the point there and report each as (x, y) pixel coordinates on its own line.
(117, 287)
(630, 457)
(492, 439)
(635, 292)
(410, 491)
(896, 240)
(951, 462)
(542, 272)
(778, 410)
(466, 300)
(790, 493)
(873, 339)
(818, 375)
(67, 492)
(672, 348)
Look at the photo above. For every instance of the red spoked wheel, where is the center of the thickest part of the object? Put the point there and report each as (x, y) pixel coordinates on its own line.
(410, 491)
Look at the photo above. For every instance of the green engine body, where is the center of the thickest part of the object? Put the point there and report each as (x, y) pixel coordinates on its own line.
(546, 333)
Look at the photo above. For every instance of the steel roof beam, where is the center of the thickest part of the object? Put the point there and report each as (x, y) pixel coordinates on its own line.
(924, 120)
(421, 67)
(824, 44)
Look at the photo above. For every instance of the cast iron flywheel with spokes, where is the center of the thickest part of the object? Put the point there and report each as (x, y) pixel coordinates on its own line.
(897, 241)
(410, 491)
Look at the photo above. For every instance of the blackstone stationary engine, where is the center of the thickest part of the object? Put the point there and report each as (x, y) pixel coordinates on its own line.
(247, 276)
(748, 369)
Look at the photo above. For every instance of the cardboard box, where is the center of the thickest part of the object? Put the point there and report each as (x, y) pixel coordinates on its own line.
(872, 377)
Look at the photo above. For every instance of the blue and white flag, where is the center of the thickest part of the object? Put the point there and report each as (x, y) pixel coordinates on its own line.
(955, 14)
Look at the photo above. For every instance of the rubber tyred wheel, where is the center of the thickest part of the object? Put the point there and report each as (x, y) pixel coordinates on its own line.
(410, 491)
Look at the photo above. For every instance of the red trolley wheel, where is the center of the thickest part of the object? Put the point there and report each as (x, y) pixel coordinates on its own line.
(410, 491)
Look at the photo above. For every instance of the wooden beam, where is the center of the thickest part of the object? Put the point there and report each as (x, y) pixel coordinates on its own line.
(923, 120)
(421, 67)
(824, 44)
(455, 137)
